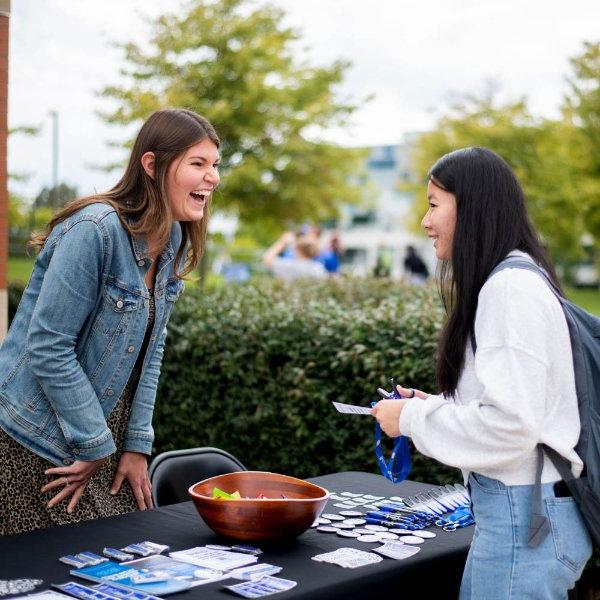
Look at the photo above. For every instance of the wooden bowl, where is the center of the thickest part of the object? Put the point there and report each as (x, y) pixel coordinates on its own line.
(291, 507)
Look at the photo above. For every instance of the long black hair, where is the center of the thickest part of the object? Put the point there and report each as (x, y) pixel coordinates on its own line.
(491, 221)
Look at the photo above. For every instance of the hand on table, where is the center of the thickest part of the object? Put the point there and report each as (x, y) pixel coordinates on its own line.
(133, 466)
(387, 412)
(73, 480)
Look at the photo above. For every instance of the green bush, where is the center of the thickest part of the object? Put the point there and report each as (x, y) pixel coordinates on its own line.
(253, 369)
(15, 291)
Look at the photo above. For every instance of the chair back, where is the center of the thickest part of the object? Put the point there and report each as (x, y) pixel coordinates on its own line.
(172, 473)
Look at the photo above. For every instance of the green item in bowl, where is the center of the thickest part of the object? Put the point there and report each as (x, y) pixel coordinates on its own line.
(217, 493)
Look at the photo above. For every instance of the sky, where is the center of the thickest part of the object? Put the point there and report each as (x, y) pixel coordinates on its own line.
(410, 55)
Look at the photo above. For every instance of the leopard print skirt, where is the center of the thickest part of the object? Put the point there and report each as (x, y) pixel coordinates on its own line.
(23, 505)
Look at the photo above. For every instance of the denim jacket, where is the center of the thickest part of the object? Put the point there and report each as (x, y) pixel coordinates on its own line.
(76, 336)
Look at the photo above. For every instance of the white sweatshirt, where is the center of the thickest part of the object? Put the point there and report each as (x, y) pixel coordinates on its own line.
(518, 391)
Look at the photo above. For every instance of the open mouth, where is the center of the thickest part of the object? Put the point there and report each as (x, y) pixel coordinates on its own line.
(200, 196)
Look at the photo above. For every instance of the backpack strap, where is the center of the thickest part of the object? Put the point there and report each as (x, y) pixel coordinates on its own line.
(518, 262)
(538, 525)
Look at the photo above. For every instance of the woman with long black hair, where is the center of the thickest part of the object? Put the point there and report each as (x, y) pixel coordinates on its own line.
(505, 372)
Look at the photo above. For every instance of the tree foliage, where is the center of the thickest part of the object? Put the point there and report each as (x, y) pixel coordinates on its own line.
(55, 197)
(556, 161)
(234, 63)
(582, 111)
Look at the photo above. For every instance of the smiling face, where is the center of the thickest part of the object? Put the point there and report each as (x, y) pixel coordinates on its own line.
(191, 179)
(440, 220)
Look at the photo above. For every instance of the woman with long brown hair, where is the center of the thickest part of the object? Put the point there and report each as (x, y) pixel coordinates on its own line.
(80, 364)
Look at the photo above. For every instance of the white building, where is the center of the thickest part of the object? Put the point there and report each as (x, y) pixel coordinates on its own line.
(382, 230)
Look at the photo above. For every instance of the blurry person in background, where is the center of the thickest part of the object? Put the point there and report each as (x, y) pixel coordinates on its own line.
(415, 267)
(330, 258)
(301, 264)
(383, 264)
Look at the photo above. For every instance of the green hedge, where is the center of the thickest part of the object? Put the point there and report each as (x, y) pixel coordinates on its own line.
(253, 369)
(15, 291)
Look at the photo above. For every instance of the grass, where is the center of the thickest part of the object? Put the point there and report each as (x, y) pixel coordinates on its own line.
(19, 269)
(587, 298)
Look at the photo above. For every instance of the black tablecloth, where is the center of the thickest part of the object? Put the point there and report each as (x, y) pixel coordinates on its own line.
(437, 568)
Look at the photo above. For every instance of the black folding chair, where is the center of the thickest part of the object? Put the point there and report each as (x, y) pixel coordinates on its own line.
(172, 473)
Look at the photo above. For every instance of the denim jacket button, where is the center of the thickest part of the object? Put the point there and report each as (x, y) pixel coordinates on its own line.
(66, 462)
(109, 392)
(75, 450)
(141, 263)
(119, 303)
(130, 349)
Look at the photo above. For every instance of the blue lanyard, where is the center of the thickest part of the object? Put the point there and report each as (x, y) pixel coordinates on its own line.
(398, 467)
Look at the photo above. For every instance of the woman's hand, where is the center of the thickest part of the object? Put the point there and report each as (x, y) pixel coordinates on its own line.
(387, 412)
(133, 466)
(411, 393)
(73, 480)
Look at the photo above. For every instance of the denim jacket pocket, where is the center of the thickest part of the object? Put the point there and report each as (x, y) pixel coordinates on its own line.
(118, 305)
(173, 290)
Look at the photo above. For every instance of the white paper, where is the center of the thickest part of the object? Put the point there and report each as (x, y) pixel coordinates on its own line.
(352, 409)
(220, 560)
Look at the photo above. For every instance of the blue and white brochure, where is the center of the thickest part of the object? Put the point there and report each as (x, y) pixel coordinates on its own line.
(134, 577)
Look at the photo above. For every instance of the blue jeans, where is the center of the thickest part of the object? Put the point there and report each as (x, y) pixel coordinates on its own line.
(500, 564)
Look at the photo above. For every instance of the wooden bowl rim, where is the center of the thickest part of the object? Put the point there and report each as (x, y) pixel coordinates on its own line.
(194, 494)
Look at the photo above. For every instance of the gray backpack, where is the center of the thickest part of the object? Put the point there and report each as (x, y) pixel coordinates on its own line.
(584, 331)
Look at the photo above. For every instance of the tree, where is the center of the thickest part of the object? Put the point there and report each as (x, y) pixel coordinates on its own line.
(55, 197)
(539, 150)
(234, 64)
(582, 111)
(28, 130)
(17, 211)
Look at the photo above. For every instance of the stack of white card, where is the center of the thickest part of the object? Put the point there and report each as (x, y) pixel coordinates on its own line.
(349, 558)
(265, 586)
(209, 558)
(396, 550)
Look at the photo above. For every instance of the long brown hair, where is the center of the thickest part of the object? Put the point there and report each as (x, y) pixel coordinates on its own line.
(140, 200)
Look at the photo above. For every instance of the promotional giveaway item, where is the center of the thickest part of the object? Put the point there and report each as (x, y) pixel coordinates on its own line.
(387, 519)
(145, 548)
(254, 572)
(90, 558)
(117, 554)
(221, 560)
(129, 575)
(102, 591)
(398, 467)
(47, 595)
(263, 587)
(349, 558)
(396, 550)
(12, 587)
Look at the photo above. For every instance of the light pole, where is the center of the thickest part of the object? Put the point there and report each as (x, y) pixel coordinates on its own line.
(4, 18)
(54, 191)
